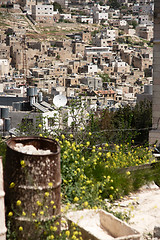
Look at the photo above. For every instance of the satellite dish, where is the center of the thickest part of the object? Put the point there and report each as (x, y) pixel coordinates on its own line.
(59, 101)
(1, 122)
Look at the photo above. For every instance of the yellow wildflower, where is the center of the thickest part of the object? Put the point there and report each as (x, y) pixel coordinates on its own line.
(39, 203)
(51, 237)
(12, 185)
(85, 204)
(111, 197)
(23, 213)
(20, 228)
(50, 184)
(10, 214)
(23, 164)
(62, 136)
(46, 194)
(76, 199)
(67, 233)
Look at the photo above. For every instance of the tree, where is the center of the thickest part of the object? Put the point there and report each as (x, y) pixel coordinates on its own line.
(134, 23)
(105, 77)
(136, 119)
(57, 6)
(114, 4)
(125, 124)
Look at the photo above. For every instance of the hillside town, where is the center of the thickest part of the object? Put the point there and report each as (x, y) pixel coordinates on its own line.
(99, 51)
(79, 119)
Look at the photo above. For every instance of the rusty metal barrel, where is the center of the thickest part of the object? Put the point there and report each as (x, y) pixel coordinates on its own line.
(3, 229)
(32, 183)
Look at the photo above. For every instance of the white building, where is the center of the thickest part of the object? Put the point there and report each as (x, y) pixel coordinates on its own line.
(145, 19)
(96, 50)
(65, 16)
(91, 68)
(98, 17)
(85, 19)
(4, 67)
(43, 12)
(111, 33)
(98, 7)
(121, 67)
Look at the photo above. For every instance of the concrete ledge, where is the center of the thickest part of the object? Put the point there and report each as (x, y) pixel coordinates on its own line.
(101, 225)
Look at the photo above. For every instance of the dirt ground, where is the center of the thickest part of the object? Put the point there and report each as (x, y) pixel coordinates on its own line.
(144, 207)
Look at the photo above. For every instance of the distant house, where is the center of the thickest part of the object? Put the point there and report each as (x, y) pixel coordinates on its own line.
(89, 68)
(4, 67)
(93, 83)
(44, 13)
(85, 19)
(145, 31)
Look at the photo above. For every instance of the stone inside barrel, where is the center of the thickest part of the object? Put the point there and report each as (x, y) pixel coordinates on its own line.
(32, 184)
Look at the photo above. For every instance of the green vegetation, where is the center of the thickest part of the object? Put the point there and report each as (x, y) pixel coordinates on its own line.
(114, 4)
(134, 23)
(58, 7)
(97, 162)
(105, 77)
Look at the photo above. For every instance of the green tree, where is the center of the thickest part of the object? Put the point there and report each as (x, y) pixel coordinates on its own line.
(114, 4)
(57, 6)
(142, 120)
(137, 120)
(134, 23)
(105, 77)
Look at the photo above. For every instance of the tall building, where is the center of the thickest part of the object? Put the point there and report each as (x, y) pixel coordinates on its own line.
(154, 136)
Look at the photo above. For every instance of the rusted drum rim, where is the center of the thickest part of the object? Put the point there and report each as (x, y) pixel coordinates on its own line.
(13, 140)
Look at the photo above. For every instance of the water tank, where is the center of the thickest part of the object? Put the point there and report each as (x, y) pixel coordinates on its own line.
(32, 100)
(4, 112)
(35, 91)
(7, 124)
(40, 97)
(148, 89)
(30, 92)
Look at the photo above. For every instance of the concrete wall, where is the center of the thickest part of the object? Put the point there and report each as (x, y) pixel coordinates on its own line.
(155, 134)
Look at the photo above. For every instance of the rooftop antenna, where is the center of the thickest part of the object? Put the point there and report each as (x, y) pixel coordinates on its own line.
(59, 101)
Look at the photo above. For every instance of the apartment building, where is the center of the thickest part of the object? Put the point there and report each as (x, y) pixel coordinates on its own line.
(44, 13)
